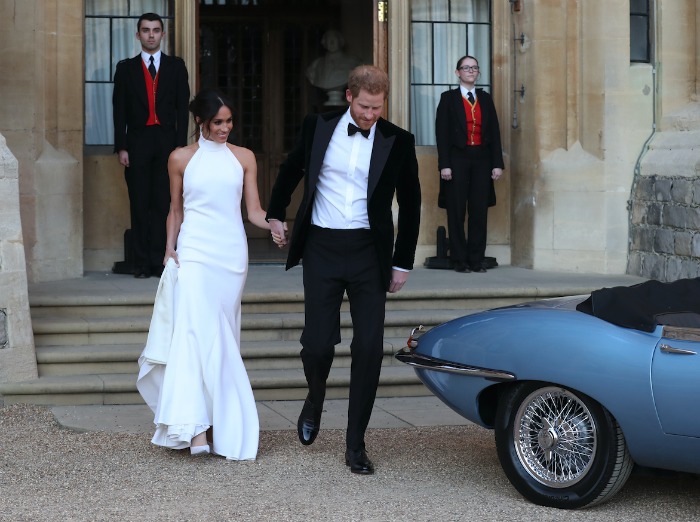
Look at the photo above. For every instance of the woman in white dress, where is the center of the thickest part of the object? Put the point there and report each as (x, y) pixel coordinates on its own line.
(191, 372)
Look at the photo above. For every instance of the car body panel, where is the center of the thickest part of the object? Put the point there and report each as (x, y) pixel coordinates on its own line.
(552, 342)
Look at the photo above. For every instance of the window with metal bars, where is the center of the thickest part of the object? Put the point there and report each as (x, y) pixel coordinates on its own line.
(442, 31)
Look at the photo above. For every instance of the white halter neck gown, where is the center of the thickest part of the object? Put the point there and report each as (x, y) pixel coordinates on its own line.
(203, 382)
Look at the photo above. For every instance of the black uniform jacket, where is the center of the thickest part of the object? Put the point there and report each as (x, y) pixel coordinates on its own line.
(130, 102)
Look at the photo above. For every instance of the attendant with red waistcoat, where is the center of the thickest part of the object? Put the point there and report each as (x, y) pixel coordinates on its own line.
(470, 158)
(150, 104)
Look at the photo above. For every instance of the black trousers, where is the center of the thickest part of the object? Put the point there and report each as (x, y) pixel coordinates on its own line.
(468, 191)
(149, 192)
(335, 262)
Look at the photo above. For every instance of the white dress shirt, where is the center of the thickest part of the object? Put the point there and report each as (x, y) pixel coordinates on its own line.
(466, 91)
(147, 59)
(341, 191)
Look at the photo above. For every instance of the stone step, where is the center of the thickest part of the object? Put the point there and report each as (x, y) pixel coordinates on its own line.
(686, 162)
(396, 380)
(73, 331)
(111, 359)
(675, 139)
(685, 118)
(106, 307)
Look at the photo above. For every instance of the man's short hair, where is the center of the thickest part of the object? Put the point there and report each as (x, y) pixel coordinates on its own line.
(151, 17)
(370, 78)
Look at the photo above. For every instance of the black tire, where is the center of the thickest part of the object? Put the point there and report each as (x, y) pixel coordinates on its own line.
(559, 448)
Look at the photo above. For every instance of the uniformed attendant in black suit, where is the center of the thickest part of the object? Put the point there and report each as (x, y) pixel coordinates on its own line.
(352, 163)
(150, 100)
(470, 158)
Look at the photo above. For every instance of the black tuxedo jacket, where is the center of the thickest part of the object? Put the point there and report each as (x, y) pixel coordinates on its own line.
(130, 102)
(393, 170)
(451, 127)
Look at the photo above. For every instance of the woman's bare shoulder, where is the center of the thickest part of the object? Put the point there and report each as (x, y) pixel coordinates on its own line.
(243, 155)
(182, 155)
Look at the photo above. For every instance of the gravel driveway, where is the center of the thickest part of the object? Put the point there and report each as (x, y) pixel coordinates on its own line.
(439, 474)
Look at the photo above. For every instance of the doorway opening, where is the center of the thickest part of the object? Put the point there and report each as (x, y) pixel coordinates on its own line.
(264, 55)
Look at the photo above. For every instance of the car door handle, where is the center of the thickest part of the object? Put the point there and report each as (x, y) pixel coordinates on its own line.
(670, 349)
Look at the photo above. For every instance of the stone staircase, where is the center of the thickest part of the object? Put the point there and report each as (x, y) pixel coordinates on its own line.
(87, 346)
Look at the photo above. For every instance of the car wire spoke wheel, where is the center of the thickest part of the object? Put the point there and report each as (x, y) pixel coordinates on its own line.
(559, 447)
(555, 437)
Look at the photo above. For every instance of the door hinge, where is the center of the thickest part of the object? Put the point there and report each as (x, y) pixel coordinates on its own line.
(383, 11)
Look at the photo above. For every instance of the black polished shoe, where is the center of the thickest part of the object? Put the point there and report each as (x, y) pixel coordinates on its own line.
(359, 462)
(308, 424)
(142, 273)
(462, 267)
(478, 269)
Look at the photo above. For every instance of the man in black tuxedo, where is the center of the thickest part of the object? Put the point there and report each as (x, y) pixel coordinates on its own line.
(352, 162)
(150, 103)
(470, 159)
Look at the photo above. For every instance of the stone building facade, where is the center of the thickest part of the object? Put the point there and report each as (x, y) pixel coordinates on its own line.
(601, 153)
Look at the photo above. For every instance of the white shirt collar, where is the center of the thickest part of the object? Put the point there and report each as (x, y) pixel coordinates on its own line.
(156, 58)
(465, 91)
(347, 118)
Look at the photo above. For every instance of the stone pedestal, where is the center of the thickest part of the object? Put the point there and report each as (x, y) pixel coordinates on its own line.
(17, 356)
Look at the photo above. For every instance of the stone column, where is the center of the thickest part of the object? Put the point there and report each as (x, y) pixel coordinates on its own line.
(17, 356)
(41, 116)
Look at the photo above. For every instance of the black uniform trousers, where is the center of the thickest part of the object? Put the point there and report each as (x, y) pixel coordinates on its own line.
(335, 262)
(149, 192)
(468, 191)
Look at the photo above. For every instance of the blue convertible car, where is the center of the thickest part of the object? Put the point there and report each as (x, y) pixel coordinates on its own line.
(576, 389)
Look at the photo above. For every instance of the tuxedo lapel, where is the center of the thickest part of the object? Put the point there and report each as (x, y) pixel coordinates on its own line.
(322, 137)
(380, 154)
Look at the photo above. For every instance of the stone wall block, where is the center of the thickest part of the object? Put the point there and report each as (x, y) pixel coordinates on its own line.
(696, 194)
(638, 213)
(692, 221)
(645, 187)
(634, 263)
(682, 191)
(691, 267)
(663, 241)
(695, 246)
(662, 189)
(642, 238)
(683, 243)
(674, 216)
(652, 214)
(646, 242)
(674, 269)
(654, 266)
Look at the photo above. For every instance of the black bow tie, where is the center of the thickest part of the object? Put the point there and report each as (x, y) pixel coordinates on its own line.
(352, 129)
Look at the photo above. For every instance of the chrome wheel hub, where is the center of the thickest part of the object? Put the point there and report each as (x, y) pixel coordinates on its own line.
(555, 437)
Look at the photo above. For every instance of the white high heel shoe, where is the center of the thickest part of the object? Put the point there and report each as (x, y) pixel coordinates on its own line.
(199, 450)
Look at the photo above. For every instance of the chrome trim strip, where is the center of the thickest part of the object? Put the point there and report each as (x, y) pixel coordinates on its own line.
(679, 351)
(681, 333)
(438, 365)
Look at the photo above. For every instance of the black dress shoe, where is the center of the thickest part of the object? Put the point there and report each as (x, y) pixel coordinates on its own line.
(309, 422)
(478, 269)
(142, 273)
(359, 462)
(462, 267)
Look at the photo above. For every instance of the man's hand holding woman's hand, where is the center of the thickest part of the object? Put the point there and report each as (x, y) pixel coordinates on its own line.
(279, 232)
